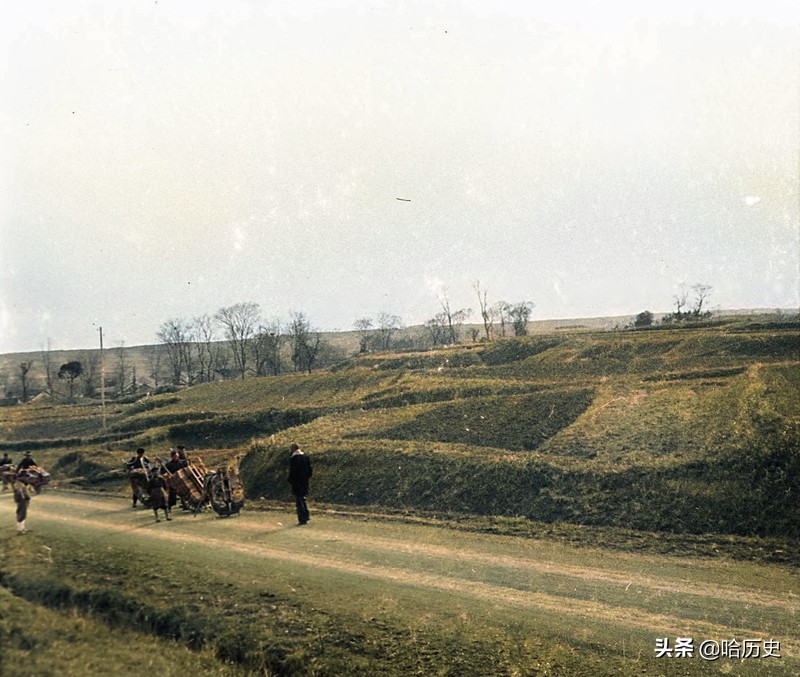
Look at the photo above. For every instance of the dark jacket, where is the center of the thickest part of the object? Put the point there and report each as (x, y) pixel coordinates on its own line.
(299, 473)
(174, 465)
(26, 462)
(137, 462)
(157, 488)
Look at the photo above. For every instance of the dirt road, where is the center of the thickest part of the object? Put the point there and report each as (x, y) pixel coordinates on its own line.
(581, 594)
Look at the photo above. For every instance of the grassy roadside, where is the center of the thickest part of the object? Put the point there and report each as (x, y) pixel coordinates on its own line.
(41, 642)
(332, 600)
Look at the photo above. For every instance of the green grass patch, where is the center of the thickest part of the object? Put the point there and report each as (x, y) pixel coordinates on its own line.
(231, 430)
(363, 597)
(42, 642)
(515, 422)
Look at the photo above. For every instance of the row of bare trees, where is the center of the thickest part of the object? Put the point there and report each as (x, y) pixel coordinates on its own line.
(499, 319)
(446, 327)
(681, 300)
(508, 315)
(237, 341)
(683, 311)
(377, 335)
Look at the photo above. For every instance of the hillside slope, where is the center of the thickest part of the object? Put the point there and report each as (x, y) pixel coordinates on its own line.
(684, 430)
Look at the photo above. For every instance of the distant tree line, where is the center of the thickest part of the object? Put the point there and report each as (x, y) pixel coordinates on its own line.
(237, 342)
(446, 327)
(683, 311)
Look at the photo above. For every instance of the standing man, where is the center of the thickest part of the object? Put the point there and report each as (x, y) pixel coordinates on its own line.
(299, 474)
(22, 497)
(173, 465)
(137, 472)
(26, 462)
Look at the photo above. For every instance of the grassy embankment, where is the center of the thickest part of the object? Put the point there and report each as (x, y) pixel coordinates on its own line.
(635, 440)
(673, 431)
(363, 597)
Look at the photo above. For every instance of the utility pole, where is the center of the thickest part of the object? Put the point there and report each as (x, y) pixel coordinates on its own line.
(102, 380)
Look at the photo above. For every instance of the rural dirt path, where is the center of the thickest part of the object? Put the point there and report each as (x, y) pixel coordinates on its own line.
(660, 595)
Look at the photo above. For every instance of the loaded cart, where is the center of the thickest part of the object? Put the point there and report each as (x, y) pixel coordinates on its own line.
(199, 487)
(34, 476)
(189, 484)
(224, 490)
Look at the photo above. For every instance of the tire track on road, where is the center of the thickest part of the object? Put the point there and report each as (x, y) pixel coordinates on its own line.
(788, 602)
(658, 623)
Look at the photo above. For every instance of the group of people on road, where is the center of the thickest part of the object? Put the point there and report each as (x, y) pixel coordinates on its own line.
(22, 490)
(162, 496)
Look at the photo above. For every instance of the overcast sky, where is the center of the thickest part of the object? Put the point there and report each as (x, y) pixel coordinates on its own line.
(163, 159)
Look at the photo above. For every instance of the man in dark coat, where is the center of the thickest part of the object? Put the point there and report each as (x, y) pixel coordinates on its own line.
(299, 474)
(137, 463)
(26, 462)
(173, 465)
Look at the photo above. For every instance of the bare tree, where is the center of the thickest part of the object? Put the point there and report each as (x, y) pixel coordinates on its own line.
(24, 368)
(680, 300)
(222, 365)
(520, 313)
(121, 366)
(267, 348)
(305, 343)
(388, 325)
(500, 310)
(701, 294)
(437, 329)
(364, 328)
(175, 335)
(91, 367)
(240, 322)
(154, 364)
(206, 349)
(454, 318)
(487, 313)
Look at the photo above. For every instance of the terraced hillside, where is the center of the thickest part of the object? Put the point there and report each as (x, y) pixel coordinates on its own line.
(682, 430)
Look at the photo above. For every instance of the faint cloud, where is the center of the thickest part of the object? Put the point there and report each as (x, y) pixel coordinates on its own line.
(751, 200)
(7, 328)
(434, 285)
(239, 238)
(558, 290)
(44, 319)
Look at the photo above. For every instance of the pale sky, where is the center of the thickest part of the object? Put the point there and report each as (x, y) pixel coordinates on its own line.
(165, 159)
